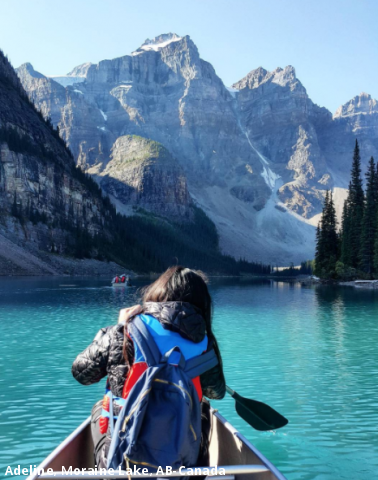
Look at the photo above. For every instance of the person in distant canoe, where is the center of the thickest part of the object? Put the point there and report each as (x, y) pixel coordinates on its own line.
(177, 311)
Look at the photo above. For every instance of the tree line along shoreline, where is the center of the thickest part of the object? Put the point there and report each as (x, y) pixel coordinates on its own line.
(349, 250)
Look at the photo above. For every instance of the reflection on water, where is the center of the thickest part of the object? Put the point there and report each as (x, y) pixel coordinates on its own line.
(310, 352)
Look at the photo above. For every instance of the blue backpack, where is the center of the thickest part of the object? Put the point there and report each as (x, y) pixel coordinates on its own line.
(160, 423)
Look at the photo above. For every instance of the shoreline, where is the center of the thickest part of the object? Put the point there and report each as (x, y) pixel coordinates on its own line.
(358, 283)
(133, 274)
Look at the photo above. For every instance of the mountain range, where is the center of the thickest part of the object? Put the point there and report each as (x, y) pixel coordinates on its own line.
(55, 219)
(158, 130)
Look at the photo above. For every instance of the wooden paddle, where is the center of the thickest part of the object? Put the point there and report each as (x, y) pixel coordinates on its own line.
(257, 414)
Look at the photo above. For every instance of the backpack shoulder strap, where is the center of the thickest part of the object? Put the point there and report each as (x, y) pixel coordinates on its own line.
(145, 341)
(202, 363)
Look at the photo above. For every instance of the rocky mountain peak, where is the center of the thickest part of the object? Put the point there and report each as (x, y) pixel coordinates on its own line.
(164, 37)
(360, 104)
(158, 42)
(27, 68)
(280, 76)
(284, 76)
(80, 70)
(252, 80)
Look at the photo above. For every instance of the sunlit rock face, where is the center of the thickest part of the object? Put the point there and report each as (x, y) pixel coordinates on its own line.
(357, 119)
(37, 172)
(141, 172)
(257, 157)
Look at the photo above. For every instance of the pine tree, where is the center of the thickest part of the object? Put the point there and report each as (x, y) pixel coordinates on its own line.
(375, 260)
(356, 207)
(369, 221)
(327, 242)
(332, 238)
(375, 263)
(346, 257)
(318, 252)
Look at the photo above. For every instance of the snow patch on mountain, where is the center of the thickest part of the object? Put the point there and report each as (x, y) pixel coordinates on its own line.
(268, 175)
(66, 80)
(157, 43)
(77, 75)
(233, 91)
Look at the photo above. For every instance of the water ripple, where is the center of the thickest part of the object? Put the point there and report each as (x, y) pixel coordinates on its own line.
(309, 352)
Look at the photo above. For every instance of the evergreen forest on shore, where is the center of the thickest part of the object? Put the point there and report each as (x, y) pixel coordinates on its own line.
(350, 250)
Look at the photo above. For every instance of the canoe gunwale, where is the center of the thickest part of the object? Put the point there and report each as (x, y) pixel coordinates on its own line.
(248, 444)
(229, 469)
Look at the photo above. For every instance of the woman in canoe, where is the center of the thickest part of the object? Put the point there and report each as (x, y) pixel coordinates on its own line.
(176, 312)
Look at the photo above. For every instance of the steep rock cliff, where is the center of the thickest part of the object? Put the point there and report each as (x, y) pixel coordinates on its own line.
(41, 190)
(143, 173)
(281, 122)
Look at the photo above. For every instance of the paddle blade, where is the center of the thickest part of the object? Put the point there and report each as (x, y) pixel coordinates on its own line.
(259, 415)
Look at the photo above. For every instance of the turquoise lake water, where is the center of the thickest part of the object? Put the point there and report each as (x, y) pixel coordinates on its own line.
(310, 352)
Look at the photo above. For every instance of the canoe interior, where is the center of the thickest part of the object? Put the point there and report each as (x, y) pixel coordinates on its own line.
(227, 447)
(78, 452)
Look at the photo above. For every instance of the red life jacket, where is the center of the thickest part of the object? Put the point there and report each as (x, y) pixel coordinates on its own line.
(163, 339)
(139, 368)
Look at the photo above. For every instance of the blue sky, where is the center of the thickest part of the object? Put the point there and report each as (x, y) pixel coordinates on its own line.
(333, 44)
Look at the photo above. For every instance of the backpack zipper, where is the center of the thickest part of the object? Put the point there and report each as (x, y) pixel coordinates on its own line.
(177, 386)
(133, 410)
(194, 433)
(138, 463)
(127, 465)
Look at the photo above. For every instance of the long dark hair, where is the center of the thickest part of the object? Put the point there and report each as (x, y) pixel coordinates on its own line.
(179, 284)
